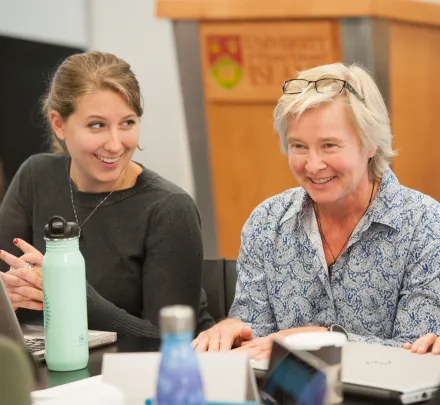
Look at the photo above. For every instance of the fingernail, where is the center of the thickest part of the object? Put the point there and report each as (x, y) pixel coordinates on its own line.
(15, 241)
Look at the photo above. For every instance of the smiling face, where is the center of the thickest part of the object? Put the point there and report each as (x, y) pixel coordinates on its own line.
(326, 156)
(101, 137)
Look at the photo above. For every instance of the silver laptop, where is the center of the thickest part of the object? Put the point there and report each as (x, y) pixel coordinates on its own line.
(383, 372)
(33, 336)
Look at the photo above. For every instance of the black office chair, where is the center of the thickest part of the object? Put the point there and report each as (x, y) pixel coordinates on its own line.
(230, 282)
(214, 285)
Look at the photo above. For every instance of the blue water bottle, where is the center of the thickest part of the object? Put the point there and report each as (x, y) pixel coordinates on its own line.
(65, 297)
(179, 381)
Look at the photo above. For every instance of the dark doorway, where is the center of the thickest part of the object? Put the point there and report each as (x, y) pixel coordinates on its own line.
(26, 67)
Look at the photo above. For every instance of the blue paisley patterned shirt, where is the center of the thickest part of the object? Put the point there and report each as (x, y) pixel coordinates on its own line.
(385, 287)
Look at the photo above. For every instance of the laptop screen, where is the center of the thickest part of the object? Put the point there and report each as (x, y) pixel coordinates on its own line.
(292, 379)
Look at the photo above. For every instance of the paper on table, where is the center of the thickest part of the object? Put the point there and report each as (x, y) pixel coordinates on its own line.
(89, 391)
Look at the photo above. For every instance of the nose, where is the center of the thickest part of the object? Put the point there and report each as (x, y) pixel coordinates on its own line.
(113, 143)
(314, 163)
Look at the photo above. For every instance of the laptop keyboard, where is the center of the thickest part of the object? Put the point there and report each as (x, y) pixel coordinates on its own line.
(34, 344)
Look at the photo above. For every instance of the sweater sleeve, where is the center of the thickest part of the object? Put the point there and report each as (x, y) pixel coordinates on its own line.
(104, 315)
(16, 212)
(172, 271)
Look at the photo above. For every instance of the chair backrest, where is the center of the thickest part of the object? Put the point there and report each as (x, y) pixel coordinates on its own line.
(230, 282)
(214, 286)
(219, 279)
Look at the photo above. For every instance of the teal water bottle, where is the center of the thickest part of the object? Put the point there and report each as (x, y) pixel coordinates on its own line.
(65, 297)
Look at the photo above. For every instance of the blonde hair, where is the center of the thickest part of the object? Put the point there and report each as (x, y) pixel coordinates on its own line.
(81, 74)
(369, 117)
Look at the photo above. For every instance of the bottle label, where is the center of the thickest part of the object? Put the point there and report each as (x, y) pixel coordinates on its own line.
(46, 313)
(82, 340)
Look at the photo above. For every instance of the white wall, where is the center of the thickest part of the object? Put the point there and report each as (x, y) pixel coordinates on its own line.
(130, 30)
(61, 22)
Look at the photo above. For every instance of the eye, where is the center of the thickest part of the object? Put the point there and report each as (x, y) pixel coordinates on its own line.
(296, 146)
(329, 145)
(95, 125)
(129, 123)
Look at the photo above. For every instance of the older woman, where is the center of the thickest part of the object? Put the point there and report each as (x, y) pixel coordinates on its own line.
(350, 249)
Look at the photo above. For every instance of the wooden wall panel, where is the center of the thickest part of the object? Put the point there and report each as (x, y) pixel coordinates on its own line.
(247, 166)
(414, 95)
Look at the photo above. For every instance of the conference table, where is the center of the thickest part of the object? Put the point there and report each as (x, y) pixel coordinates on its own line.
(48, 379)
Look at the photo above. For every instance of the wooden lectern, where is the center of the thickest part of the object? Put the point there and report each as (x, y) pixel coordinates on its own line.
(247, 48)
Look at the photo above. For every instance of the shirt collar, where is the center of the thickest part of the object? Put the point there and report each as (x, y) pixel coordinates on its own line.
(388, 202)
(300, 200)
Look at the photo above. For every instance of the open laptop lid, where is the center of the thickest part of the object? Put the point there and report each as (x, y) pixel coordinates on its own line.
(9, 325)
(383, 372)
(390, 369)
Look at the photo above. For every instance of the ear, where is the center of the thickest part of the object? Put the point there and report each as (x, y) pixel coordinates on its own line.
(57, 123)
(372, 152)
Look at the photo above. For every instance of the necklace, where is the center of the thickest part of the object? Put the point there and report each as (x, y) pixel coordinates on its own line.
(331, 265)
(94, 210)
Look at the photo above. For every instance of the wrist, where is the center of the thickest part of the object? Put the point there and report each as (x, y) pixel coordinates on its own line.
(236, 324)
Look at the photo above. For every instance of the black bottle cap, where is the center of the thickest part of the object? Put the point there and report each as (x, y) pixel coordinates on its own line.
(59, 228)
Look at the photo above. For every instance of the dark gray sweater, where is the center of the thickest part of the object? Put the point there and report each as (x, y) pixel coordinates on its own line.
(142, 247)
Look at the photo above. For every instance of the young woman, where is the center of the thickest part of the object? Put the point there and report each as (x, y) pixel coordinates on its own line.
(140, 234)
